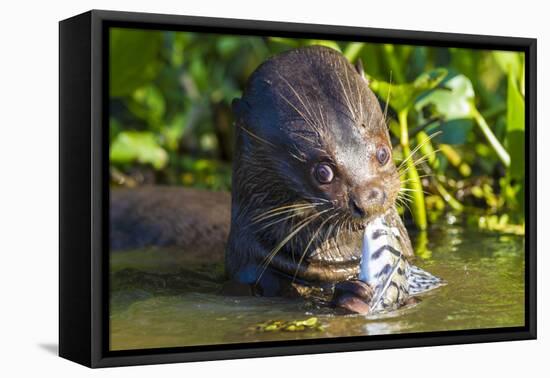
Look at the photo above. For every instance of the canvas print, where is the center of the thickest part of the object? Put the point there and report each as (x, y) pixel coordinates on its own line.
(271, 188)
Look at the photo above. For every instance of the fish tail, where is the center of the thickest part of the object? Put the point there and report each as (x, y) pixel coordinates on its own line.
(421, 281)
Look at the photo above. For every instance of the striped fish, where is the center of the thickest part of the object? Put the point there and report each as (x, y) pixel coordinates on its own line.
(386, 269)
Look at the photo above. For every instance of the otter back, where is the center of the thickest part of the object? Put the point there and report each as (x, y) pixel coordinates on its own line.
(194, 221)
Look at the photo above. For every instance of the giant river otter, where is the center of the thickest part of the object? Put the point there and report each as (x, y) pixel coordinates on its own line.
(313, 166)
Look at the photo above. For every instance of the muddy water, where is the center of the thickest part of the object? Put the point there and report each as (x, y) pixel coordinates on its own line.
(163, 298)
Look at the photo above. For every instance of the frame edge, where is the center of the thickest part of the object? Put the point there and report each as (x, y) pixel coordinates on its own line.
(74, 194)
(96, 357)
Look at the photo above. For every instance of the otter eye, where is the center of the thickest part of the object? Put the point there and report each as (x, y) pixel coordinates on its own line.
(383, 155)
(323, 173)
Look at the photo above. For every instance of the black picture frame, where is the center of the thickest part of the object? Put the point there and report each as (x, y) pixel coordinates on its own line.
(84, 189)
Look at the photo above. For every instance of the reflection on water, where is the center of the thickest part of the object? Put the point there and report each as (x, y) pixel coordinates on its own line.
(160, 298)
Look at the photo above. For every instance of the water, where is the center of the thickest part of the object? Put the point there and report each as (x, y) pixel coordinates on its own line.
(163, 299)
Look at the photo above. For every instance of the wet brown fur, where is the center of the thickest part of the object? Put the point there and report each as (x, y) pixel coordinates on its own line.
(300, 108)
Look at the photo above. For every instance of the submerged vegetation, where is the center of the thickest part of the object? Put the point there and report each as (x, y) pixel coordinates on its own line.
(309, 324)
(456, 116)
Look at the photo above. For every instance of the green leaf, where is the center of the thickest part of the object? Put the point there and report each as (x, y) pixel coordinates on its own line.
(138, 146)
(455, 131)
(227, 46)
(148, 104)
(321, 42)
(453, 101)
(515, 116)
(413, 182)
(292, 42)
(397, 58)
(491, 138)
(352, 50)
(456, 101)
(510, 62)
(173, 130)
(515, 124)
(402, 96)
(133, 56)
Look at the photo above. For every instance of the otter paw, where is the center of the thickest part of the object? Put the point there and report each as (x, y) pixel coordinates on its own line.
(353, 296)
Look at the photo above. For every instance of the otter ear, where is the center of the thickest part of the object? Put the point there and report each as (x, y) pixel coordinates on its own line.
(360, 70)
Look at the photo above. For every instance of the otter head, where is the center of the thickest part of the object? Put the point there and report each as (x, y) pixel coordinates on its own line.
(313, 153)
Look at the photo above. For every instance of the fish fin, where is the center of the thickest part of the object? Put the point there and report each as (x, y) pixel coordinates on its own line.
(421, 281)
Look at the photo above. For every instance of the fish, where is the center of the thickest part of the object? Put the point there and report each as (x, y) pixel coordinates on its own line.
(386, 269)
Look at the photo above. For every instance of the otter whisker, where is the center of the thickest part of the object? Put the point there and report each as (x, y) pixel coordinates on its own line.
(339, 223)
(405, 192)
(297, 153)
(308, 120)
(359, 89)
(313, 144)
(282, 243)
(404, 203)
(323, 121)
(370, 115)
(312, 113)
(305, 138)
(330, 230)
(405, 197)
(419, 176)
(419, 146)
(408, 197)
(302, 223)
(349, 87)
(297, 158)
(388, 99)
(282, 210)
(402, 200)
(288, 206)
(417, 162)
(256, 137)
(294, 215)
(313, 199)
(349, 106)
(304, 117)
(309, 244)
(413, 190)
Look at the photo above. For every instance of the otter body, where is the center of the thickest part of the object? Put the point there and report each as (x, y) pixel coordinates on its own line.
(312, 168)
(194, 221)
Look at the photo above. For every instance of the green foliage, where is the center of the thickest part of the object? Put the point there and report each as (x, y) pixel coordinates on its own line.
(515, 122)
(457, 117)
(455, 102)
(404, 95)
(133, 59)
(139, 146)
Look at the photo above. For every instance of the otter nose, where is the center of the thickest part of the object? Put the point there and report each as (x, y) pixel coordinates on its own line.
(369, 202)
(357, 210)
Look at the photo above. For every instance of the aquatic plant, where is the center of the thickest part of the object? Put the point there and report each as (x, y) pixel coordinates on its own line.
(456, 116)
